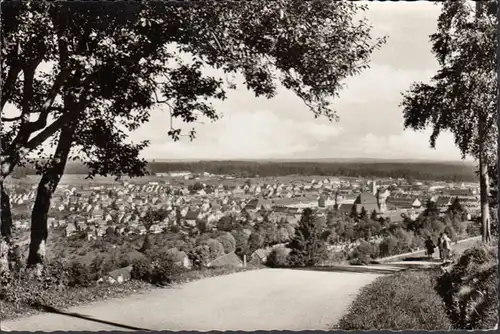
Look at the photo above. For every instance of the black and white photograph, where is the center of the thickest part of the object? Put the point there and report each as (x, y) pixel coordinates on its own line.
(223, 165)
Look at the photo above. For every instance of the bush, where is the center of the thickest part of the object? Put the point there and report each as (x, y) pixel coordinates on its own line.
(141, 269)
(228, 242)
(388, 246)
(79, 275)
(200, 256)
(164, 270)
(278, 258)
(364, 253)
(470, 290)
(404, 301)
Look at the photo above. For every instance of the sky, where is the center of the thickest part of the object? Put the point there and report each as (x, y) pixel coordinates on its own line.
(371, 121)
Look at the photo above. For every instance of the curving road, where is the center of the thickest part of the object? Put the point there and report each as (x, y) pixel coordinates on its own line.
(267, 299)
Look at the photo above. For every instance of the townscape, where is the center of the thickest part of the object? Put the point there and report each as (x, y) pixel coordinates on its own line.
(188, 205)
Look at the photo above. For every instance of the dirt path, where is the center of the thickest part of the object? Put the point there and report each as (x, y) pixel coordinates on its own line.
(268, 299)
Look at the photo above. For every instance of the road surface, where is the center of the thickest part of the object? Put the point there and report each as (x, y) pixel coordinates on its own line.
(267, 299)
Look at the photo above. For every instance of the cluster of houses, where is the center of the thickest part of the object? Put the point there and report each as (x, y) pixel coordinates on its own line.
(120, 208)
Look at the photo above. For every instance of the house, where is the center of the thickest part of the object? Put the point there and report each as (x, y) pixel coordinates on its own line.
(259, 257)
(191, 217)
(443, 203)
(227, 260)
(367, 201)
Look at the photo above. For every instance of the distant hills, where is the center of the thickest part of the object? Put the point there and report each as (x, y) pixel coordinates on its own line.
(327, 160)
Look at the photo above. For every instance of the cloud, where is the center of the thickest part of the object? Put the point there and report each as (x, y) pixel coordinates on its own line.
(405, 145)
(246, 135)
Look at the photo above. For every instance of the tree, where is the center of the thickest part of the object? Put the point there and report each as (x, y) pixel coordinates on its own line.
(354, 211)
(225, 223)
(308, 247)
(431, 209)
(363, 214)
(374, 215)
(241, 239)
(461, 97)
(255, 241)
(111, 63)
(146, 245)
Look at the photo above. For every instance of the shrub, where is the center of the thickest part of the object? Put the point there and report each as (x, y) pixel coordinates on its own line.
(364, 253)
(164, 270)
(216, 249)
(388, 246)
(228, 242)
(278, 258)
(403, 301)
(79, 275)
(469, 290)
(141, 269)
(199, 256)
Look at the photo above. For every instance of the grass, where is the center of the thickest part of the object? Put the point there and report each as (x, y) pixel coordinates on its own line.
(403, 301)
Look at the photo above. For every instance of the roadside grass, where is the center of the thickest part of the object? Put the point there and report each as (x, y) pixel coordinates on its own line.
(30, 297)
(402, 301)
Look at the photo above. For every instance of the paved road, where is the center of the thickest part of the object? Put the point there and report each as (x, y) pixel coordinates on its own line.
(267, 299)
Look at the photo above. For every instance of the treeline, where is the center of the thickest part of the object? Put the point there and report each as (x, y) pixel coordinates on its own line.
(245, 169)
(418, 171)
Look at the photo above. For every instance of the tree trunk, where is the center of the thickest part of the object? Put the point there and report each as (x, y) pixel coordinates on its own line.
(46, 188)
(484, 196)
(6, 215)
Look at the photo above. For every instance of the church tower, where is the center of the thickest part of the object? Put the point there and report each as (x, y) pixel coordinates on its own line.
(374, 188)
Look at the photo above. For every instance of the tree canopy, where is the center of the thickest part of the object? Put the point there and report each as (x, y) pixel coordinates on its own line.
(463, 91)
(81, 76)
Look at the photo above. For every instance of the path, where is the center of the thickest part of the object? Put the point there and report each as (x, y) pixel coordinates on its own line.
(267, 299)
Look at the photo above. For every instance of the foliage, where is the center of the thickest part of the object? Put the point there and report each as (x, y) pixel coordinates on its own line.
(364, 253)
(79, 275)
(470, 289)
(308, 244)
(255, 241)
(200, 256)
(403, 301)
(141, 269)
(278, 258)
(111, 63)
(164, 270)
(216, 249)
(462, 95)
(228, 242)
(241, 244)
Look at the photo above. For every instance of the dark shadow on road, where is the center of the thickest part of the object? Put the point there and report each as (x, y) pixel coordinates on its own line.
(50, 309)
(352, 269)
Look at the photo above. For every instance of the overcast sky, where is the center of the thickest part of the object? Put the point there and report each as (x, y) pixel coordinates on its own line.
(371, 123)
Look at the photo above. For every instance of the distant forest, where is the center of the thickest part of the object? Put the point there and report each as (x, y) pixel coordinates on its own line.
(412, 171)
(248, 169)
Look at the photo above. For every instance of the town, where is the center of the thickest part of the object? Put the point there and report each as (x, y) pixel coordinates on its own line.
(189, 201)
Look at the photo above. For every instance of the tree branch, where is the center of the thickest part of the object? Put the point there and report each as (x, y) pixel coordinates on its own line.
(11, 119)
